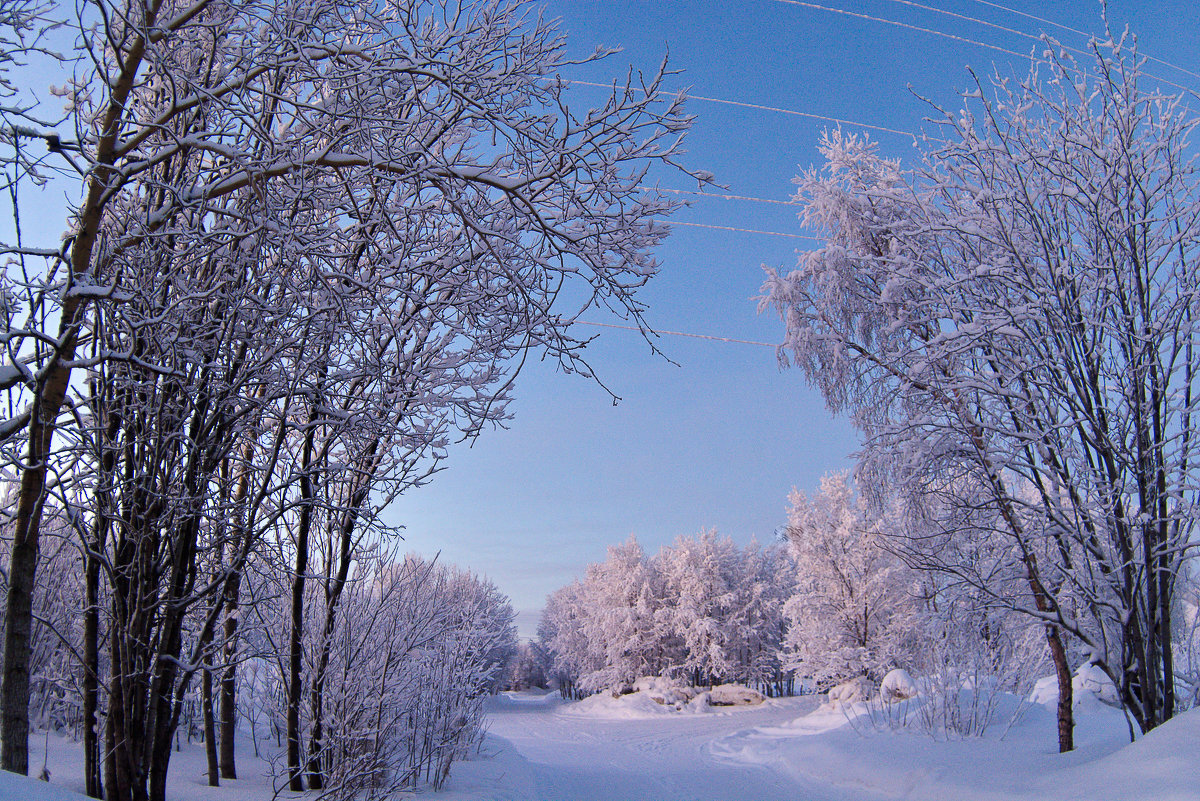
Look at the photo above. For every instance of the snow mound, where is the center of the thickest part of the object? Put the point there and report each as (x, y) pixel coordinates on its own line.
(734, 695)
(665, 691)
(851, 692)
(1090, 687)
(15, 786)
(1161, 765)
(898, 685)
(651, 696)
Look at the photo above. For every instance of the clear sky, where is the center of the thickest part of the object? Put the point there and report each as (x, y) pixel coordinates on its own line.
(719, 438)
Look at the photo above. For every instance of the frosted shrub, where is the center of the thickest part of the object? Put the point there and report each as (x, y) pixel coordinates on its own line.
(418, 648)
(969, 677)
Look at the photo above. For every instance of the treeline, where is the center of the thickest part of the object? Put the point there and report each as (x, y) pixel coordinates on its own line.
(309, 248)
(390, 687)
(703, 610)
(843, 601)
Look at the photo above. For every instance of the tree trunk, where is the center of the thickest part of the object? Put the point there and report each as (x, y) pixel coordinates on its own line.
(49, 396)
(333, 593)
(22, 570)
(228, 712)
(91, 671)
(1066, 700)
(296, 635)
(210, 727)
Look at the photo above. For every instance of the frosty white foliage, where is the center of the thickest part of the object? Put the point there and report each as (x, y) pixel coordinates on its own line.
(702, 610)
(1013, 328)
(311, 243)
(416, 649)
(853, 611)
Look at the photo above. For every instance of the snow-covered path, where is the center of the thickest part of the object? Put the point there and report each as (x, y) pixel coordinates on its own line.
(541, 750)
(575, 757)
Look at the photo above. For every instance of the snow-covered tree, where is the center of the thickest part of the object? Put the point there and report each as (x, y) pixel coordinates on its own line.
(701, 609)
(1012, 327)
(852, 613)
(701, 576)
(311, 243)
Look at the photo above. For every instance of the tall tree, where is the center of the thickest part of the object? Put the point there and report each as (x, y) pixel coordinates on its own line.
(1013, 328)
(262, 155)
(853, 610)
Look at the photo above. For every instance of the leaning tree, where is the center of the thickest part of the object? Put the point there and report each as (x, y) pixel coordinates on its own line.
(1012, 327)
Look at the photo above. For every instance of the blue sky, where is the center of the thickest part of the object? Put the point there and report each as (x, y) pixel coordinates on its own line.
(720, 439)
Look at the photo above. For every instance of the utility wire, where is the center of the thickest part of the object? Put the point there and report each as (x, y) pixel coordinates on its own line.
(760, 107)
(744, 230)
(977, 42)
(681, 334)
(719, 196)
(898, 24)
(1036, 38)
(1075, 31)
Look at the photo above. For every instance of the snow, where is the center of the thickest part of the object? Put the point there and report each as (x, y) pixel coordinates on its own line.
(850, 692)
(897, 685)
(187, 779)
(15, 786)
(540, 748)
(1090, 686)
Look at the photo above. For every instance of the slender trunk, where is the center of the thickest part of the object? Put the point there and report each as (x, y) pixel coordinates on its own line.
(228, 712)
(91, 671)
(102, 509)
(333, 594)
(22, 569)
(1066, 700)
(210, 728)
(240, 548)
(296, 635)
(48, 401)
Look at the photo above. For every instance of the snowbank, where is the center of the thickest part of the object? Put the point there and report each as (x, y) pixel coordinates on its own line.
(1089, 687)
(13, 787)
(898, 685)
(850, 692)
(652, 696)
(1164, 766)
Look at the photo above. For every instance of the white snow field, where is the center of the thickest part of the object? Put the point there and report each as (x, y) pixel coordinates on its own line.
(629, 749)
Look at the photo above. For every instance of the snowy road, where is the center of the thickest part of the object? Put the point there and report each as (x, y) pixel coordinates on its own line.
(549, 754)
(539, 749)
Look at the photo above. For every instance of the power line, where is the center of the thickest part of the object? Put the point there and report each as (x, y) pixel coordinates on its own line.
(909, 26)
(681, 334)
(761, 107)
(744, 230)
(977, 42)
(720, 196)
(1036, 38)
(1077, 32)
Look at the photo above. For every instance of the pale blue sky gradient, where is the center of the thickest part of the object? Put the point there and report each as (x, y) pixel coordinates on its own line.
(720, 439)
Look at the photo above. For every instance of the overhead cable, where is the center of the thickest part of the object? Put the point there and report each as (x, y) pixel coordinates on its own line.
(761, 107)
(744, 230)
(719, 195)
(1075, 31)
(680, 334)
